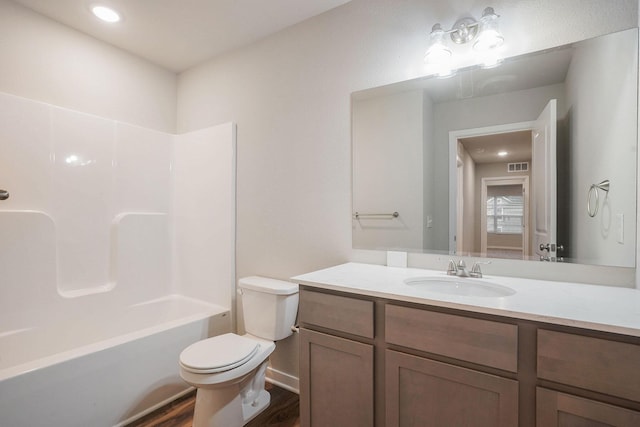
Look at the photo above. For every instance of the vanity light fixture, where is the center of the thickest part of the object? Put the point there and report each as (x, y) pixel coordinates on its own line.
(484, 33)
(502, 153)
(106, 14)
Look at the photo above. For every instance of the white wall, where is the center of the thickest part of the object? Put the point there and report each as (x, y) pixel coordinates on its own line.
(289, 95)
(387, 153)
(204, 197)
(603, 152)
(46, 61)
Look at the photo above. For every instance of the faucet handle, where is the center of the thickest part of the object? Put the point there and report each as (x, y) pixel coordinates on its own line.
(475, 270)
(452, 269)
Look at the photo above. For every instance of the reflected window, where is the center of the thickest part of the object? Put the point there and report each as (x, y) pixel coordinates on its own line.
(505, 214)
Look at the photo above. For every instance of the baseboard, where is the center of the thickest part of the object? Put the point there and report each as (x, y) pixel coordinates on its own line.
(283, 380)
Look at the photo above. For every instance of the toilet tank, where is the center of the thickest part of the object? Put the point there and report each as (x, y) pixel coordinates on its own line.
(269, 306)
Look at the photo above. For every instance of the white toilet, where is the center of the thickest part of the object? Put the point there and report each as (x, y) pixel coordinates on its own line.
(229, 370)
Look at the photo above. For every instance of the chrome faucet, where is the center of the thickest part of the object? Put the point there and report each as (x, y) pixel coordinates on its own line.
(460, 269)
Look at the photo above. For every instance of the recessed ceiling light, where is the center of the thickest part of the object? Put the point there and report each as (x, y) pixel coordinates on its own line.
(106, 14)
(502, 153)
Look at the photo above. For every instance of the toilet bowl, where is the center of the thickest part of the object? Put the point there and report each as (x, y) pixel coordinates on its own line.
(229, 370)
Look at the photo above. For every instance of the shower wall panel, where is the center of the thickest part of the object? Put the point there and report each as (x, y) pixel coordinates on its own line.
(91, 195)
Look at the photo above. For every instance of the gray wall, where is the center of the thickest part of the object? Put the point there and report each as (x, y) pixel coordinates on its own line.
(600, 152)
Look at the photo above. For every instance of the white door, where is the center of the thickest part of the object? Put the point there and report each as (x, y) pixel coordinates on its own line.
(543, 174)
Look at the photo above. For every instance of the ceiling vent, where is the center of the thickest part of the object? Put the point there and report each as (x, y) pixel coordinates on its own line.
(518, 167)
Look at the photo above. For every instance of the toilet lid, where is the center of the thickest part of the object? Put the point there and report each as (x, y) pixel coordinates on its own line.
(218, 354)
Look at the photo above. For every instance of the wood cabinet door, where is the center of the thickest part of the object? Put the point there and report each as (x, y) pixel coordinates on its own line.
(555, 409)
(336, 381)
(424, 393)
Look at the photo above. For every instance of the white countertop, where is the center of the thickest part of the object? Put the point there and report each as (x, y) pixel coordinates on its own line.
(601, 308)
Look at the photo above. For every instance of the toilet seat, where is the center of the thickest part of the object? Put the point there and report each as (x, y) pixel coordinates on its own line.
(218, 354)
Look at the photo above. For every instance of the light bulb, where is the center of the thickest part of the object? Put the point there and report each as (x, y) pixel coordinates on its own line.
(489, 36)
(106, 14)
(438, 56)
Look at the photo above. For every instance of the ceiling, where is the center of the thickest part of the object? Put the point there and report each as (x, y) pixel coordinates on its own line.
(178, 34)
(484, 149)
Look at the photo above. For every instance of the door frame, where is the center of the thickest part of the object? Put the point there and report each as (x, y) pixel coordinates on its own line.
(454, 136)
(460, 234)
(505, 180)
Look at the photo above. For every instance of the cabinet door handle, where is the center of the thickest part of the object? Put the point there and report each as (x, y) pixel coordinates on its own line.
(4, 195)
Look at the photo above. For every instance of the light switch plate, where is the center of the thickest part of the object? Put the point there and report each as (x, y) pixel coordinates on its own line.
(620, 228)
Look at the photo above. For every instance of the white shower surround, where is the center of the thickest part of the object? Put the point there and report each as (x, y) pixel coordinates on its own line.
(116, 251)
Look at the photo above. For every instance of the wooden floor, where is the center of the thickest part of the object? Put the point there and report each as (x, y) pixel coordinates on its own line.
(284, 411)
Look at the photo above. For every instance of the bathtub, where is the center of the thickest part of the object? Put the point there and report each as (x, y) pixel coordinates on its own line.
(106, 366)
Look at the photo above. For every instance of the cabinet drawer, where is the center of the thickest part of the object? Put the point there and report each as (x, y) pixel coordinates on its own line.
(344, 314)
(596, 364)
(555, 409)
(478, 341)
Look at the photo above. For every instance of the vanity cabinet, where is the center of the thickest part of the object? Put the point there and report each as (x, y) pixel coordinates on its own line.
(336, 369)
(602, 366)
(421, 391)
(369, 361)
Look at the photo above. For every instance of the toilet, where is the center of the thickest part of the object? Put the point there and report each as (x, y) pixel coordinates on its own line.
(229, 370)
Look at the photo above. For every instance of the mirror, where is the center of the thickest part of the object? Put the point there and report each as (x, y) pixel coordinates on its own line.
(534, 159)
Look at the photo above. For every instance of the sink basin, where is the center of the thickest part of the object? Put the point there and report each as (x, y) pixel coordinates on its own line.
(460, 286)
